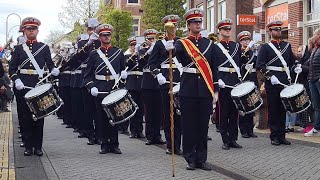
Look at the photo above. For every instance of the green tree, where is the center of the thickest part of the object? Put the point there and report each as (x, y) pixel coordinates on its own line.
(121, 22)
(77, 30)
(155, 10)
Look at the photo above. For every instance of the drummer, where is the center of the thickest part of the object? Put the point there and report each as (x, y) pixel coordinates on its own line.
(105, 65)
(228, 55)
(25, 70)
(248, 62)
(275, 68)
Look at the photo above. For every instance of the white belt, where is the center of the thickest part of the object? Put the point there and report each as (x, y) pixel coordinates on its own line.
(146, 70)
(83, 65)
(138, 73)
(76, 72)
(191, 70)
(167, 66)
(276, 68)
(225, 69)
(28, 71)
(105, 78)
(66, 72)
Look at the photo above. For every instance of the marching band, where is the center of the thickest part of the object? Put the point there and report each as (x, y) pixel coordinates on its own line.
(103, 90)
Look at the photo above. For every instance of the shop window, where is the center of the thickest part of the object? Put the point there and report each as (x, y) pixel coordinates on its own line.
(135, 27)
(133, 1)
(222, 10)
(313, 9)
(210, 16)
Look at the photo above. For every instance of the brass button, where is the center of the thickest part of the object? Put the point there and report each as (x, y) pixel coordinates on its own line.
(199, 77)
(173, 70)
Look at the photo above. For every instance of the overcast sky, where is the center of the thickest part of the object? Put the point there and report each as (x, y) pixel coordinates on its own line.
(45, 10)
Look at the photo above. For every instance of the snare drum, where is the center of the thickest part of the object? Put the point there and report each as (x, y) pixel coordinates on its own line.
(119, 106)
(246, 97)
(176, 102)
(295, 98)
(43, 100)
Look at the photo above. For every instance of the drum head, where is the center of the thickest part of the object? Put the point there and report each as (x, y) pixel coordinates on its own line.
(176, 89)
(114, 96)
(38, 90)
(291, 90)
(242, 89)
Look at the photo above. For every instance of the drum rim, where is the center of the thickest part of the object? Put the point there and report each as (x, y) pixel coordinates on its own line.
(302, 109)
(30, 97)
(115, 99)
(303, 89)
(255, 86)
(255, 109)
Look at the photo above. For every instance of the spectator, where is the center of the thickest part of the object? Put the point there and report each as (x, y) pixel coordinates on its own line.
(5, 91)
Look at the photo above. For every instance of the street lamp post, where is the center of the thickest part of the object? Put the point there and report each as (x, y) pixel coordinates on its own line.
(18, 25)
(7, 23)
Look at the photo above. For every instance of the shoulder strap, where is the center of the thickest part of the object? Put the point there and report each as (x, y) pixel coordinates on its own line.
(107, 62)
(32, 59)
(225, 52)
(283, 62)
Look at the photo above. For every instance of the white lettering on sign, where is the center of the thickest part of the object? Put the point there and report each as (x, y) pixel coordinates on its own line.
(247, 19)
(280, 16)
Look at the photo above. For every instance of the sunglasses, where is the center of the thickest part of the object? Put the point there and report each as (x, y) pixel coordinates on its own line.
(31, 28)
(275, 29)
(226, 28)
(105, 35)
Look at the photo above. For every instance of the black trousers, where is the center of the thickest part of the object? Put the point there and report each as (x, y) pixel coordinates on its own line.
(59, 113)
(167, 121)
(65, 95)
(246, 123)
(19, 112)
(137, 120)
(88, 119)
(32, 130)
(195, 114)
(152, 102)
(77, 108)
(227, 114)
(108, 134)
(276, 113)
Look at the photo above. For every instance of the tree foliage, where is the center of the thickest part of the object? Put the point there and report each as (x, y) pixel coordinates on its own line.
(155, 10)
(77, 30)
(77, 11)
(121, 22)
(54, 35)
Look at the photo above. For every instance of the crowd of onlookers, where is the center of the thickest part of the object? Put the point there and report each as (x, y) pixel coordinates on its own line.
(6, 93)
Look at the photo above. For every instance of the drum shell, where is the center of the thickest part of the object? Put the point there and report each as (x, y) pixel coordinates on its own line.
(290, 104)
(35, 105)
(113, 109)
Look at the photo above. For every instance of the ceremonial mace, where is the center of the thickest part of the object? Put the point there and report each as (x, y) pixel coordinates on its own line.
(169, 27)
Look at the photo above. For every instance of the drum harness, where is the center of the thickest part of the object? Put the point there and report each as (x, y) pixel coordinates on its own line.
(107, 62)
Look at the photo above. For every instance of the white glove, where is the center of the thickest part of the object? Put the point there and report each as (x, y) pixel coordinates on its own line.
(169, 45)
(151, 48)
(55, 71)
(124, 75)
(298, 69)
(274, 80)
(94, 91)
(241, 113)
(92, 38)
(161, 79)
(221, 83)
(248, 67)
(215, 99)
(250, 45)
(19, 84)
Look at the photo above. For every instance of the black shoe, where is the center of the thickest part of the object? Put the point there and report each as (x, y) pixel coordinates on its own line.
(19, 131)
(149, 142)
(218, 130)
(225, 146)
(275, 142)
(284, 141)
(91, 142)
(38, 152)
(291, 130)
(234, 144)
(27, 152)
(99, 142)
(133, 135)
(126, 132)
(81, 135)
(168, 151)
(245, 135)
(22, 145)
(103, 151)
(121, 132)
(253, 135)
(59, 117)
(75, 130)
(209, 138)
(140, 135)
(204, 166)
(159, 141)
(115, 151)
(20, 136)
(63, 123)
(68, 126)
(191, 166)
(178, 152)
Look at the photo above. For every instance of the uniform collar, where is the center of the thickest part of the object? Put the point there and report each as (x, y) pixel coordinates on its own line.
(31, 41)
(276, 41)
(194, 37)
(167, 38)
(105, 48)
(225, 41)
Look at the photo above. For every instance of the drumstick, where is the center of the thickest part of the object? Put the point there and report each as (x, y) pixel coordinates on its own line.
(225, 85)
(118, 80)
(28, 87)
(47, 76)
(172, 82)
(283, 84)
(247, 72)
(295, 81)
(100, 92)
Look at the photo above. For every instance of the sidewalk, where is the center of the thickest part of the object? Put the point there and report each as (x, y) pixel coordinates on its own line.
(68, 157)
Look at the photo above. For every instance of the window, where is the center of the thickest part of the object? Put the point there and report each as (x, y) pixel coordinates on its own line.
(222, 10)
(310, 30)
(210, 16)
(200, 6)
(133, 1)
(135, 27)
(313, 9)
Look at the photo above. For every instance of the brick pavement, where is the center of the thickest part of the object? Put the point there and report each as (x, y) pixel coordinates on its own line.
(68, 157)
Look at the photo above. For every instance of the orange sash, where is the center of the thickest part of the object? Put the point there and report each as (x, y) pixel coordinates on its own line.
(201, 63)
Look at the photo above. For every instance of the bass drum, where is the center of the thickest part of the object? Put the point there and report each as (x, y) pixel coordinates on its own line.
(119, 106)
(43, 100)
